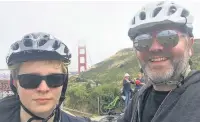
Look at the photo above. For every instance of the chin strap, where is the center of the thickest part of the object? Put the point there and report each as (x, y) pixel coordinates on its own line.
(34, 117)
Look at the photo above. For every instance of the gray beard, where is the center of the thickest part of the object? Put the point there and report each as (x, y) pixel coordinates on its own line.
(172, 73)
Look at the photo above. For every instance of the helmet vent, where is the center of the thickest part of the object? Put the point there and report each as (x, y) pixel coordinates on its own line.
(172, 10)
(156, 11)
(28, 43)
(133, 21)
(142, 15)
(42, 42)
(15, 46)
(184, 13)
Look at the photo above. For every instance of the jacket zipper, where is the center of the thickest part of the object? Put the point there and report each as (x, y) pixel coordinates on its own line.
(138, 111)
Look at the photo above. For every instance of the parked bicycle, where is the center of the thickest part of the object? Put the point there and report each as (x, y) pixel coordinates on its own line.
(116, 105)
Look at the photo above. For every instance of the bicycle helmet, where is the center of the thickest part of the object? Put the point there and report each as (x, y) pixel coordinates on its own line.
(160, 13)
(39, 46)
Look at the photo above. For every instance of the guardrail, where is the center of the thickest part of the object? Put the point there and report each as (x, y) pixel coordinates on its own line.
(76, 112)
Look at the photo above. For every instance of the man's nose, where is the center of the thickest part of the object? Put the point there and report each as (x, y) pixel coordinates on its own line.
(156, 46)
(43, 87)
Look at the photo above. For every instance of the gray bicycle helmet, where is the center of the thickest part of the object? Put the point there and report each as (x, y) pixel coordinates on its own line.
(158, 14)
(38, 46)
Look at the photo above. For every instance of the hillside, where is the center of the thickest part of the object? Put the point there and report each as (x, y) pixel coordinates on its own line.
(113, 68)
(104, 79)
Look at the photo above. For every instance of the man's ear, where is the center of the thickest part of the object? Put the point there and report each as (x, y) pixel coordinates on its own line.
(135, 52)
(190, 52)
(15, 83)
(14, 86)
(191, 42)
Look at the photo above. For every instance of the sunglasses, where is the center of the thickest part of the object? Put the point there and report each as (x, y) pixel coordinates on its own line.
(32, 81)
(167, 38)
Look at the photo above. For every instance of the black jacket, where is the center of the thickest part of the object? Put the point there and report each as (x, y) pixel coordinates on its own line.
(180, 105)
(10, 112)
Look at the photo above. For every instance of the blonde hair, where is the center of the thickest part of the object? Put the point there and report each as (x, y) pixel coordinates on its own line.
(58, 64)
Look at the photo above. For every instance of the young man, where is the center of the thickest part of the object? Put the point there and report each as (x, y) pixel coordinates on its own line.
(39, 78)
(162, 38)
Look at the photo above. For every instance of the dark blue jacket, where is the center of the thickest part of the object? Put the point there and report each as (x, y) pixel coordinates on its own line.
(10, 112)
(127, 85)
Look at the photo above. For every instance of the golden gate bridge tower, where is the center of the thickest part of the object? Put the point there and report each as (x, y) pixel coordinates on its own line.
(82, 59)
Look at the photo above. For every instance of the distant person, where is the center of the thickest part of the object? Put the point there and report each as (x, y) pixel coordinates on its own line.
(127, 87)
(139, 82)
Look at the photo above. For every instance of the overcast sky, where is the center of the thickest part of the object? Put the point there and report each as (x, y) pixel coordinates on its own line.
(102, 26)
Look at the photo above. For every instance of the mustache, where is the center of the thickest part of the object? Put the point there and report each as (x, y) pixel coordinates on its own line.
(150, 55)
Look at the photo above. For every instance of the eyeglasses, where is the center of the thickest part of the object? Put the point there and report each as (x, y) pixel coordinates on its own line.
(167, 38)
(32, 81)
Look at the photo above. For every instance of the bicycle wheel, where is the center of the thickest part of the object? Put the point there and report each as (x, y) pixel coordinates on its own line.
(103, 109)
(121, 105)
